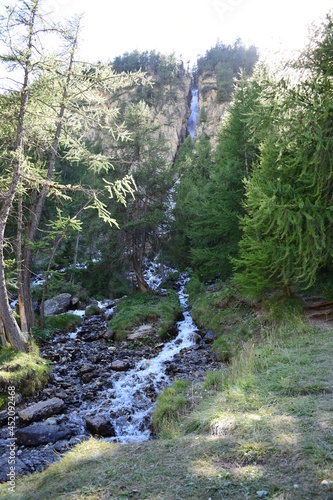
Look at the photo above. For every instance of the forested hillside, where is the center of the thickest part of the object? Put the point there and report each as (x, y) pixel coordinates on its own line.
(218, 247)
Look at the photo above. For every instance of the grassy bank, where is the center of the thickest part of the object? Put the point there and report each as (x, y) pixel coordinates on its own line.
(28, 372)
(263, 429)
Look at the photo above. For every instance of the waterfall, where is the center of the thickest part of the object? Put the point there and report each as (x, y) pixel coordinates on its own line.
(192, 121)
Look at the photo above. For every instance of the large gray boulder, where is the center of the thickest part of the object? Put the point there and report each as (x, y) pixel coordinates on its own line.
(58, 304)
(41, 410)
(37, 434)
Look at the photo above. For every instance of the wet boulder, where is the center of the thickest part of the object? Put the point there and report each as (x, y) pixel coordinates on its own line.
(42, 409)
(119, 366)
(58, 304)
(37, 434)
(100, 425)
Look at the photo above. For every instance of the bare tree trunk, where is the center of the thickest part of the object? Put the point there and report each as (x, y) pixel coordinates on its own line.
(137, 267)
(3, 335)
(24, 328)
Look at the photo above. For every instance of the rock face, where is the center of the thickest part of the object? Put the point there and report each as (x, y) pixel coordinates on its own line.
(172, 117)
(42, 409)
(58, 304)
(101, 425)
(213, 110)
(37, 434)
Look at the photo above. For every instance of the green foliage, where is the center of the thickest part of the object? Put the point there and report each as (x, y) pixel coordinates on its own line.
(202, 115)
(92, 310)
(222, 349)
(171, 404)
(218, 307)
(213, 381)
(206, 230)
(54, 324)
(226, 61)
(287, 229)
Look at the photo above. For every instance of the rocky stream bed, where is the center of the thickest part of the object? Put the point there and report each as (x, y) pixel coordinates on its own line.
(101, 387)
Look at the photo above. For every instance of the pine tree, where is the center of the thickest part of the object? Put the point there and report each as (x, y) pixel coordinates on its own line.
(288, 223)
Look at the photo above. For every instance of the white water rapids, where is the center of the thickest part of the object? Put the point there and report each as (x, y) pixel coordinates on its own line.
(129, 403)
(130, 398)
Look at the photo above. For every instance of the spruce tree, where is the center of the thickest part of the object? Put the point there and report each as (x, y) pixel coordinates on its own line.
(287, 229)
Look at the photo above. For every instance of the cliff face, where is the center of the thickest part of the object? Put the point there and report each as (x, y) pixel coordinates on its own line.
(172, 115)
(211, 111)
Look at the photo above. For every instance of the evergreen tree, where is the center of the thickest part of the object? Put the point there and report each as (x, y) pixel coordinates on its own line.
(288, 223)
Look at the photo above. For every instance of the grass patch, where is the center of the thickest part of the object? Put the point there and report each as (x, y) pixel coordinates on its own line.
(218, 308)
(171, 404)
(28, 372)
(54, 324)
(92, 310)
(137, 309)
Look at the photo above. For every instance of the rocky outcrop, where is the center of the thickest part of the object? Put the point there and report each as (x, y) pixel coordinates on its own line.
(172, 116)
(142, 332)
(58, 304)
(211, 111)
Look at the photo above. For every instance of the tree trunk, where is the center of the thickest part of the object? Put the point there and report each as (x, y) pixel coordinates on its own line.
(23, 319)
(36, 210)
(13, 332)
(137, 267)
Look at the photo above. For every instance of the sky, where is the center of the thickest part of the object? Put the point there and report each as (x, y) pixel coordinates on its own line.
(188, 27)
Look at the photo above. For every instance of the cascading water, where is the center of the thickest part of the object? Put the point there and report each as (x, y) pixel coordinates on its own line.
(129, 399)
(130, 395)
(192, 121)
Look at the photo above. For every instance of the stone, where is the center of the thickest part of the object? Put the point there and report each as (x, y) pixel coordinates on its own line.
(119, 366)
(141, 332)
(42, 409)
(209, 337)
(75, 301)
(101, 425)
(37, 434)
(87, 377)
(109, 334)
(20, 467)
(86, 367)
(58, 304)
(50, 421)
